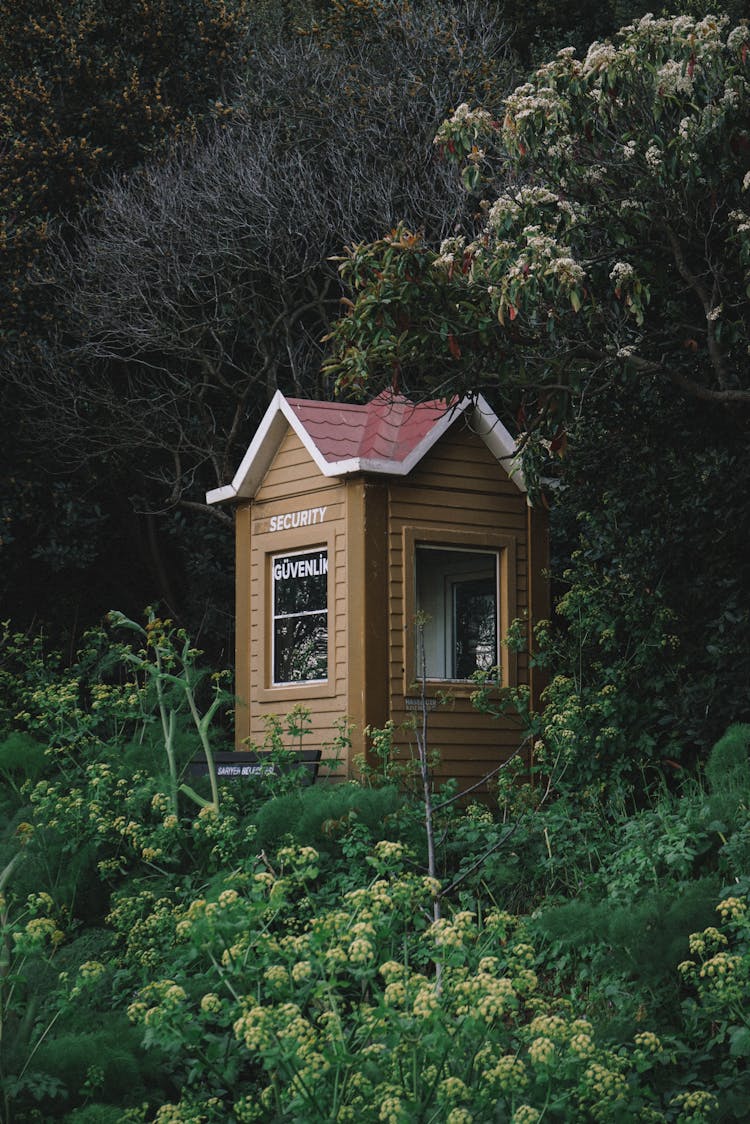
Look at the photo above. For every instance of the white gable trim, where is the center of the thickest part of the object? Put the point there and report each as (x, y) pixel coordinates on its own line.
(279, 414)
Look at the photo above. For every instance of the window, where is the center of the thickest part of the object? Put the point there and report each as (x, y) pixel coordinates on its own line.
(299, 585)
(457, 591)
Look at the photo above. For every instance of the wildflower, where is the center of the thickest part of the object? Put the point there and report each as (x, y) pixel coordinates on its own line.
(91, 970)
(541, 1051)
(388, 850)
(582, 1045)
(649, 1042)
(600, 56)
(525, 1114)
(696, 1105)
(453, 1089)
(360, 951)
(390, 1110)
(301, 971)
(509, 1073)
(732, 909)
(738, 37)
(674, 78)
(602, 1082)
(394, 994)
(211, 1004)
(276, 975)
(425, 1003)
(525, 981)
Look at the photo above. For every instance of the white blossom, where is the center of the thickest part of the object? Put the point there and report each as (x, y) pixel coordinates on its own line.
(673, 78)
(598, 57)
(738, 36)
(621, 272)
(567, 271)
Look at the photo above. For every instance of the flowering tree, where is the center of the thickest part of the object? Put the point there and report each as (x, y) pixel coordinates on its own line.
(612, 236)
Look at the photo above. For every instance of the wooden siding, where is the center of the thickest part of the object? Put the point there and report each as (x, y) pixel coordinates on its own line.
(458, 493)
(292, 484)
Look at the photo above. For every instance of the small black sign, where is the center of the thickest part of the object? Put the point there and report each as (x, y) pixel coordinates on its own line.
(244, 765)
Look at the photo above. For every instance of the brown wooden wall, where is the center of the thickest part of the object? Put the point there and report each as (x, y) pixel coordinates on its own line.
(458, 495)
(293, 483)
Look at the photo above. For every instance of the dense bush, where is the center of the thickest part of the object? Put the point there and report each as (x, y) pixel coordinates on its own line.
(278, 956)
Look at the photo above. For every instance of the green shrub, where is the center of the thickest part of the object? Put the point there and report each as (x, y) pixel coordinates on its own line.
(319, 815)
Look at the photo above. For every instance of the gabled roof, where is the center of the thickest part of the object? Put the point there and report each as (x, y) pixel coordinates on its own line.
(387, 436)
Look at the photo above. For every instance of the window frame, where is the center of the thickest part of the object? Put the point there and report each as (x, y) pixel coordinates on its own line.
(292, 542)
(504, 547)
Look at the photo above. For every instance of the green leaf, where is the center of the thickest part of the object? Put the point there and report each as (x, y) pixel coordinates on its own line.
(740, 1041)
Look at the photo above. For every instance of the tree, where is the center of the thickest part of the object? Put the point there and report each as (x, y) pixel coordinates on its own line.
(612, 235)
(191, 291)
(603, 299)
(86, 88)
(82, 93)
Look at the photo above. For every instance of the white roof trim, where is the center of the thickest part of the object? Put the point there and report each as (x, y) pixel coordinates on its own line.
(279, 414)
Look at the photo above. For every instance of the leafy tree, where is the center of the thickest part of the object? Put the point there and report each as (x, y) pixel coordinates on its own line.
(602, 297)
(194, 289)
(86, 88)
(612, 235)
(82, 91)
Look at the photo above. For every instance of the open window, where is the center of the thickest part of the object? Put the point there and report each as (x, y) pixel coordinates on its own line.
(457, 597)
(299, 627)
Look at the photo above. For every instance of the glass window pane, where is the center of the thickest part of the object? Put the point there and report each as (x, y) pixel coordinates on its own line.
(300, 616)
(457, 592)
(300, 582)
(300, 649)
(475, 617)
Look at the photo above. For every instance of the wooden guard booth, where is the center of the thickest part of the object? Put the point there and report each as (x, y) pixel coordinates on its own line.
(355, 521)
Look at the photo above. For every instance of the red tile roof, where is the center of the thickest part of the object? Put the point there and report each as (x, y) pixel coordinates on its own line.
(387, 436)
(387, 428)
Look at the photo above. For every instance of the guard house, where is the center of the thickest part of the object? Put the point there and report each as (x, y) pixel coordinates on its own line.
(350, 519)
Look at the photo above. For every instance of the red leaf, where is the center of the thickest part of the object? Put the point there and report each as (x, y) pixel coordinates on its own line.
(512, 311)
(453, 347)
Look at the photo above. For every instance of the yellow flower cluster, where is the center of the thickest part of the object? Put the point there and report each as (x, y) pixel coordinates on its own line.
(507, 1075)
(452, 1089)
(211, 1004)
(604, 1084)
(732, 909)
(525, 1114)
(425, 1003)
(542, 1052)
(649, 1042)
(695, 1107)
(37, 933)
